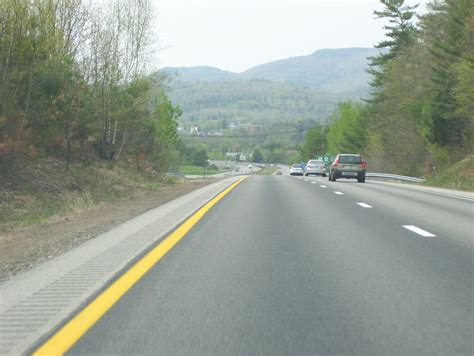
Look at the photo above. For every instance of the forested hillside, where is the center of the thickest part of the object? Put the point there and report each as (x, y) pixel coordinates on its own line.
(419, 119)
(214, 106)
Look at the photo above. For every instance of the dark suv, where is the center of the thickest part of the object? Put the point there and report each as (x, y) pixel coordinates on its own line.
(348, 166)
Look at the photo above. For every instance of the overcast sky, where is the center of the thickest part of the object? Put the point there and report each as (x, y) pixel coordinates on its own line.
(236, 35)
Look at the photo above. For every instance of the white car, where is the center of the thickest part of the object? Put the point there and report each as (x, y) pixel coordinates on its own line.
(250, 166)
(296, 170)
(316, 167)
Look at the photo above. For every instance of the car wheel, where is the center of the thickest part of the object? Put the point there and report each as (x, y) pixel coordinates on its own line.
(324, 175)
(361, 179)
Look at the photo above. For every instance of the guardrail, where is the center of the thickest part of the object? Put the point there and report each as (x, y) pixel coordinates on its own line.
(395, 176)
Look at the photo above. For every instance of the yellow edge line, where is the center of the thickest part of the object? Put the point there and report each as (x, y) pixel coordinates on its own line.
(72, 331)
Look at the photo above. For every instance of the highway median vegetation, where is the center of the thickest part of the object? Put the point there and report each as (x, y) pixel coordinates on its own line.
(267, 171)
(198, 170)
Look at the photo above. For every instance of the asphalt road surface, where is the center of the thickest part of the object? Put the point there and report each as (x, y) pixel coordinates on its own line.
(284, 265)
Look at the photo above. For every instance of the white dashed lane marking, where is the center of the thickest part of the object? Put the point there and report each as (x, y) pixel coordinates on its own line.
(338, 193)
(313, 182)
(323, 186)
(419, 231)
(364, 205)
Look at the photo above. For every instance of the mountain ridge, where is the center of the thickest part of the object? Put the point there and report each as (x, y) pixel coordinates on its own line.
(337, 71)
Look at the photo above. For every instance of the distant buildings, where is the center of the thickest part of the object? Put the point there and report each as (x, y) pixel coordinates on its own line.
(195, 130)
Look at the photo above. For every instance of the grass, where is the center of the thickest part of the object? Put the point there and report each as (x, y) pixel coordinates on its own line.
(196, 170)
(459, 176)
(47, 190)
(267, 171)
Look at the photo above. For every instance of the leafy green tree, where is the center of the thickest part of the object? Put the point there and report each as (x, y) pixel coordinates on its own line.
(200, 156)
(315, 142)
(257, 156)
(158, 140)
(348, 133)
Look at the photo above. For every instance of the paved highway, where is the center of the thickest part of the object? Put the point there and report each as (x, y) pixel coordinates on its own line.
(283, 265)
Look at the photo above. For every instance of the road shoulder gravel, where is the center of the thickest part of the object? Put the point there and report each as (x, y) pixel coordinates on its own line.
(25, 248)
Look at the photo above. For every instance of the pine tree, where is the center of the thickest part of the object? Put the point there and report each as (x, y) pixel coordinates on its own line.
(400, 33)
(452, 50)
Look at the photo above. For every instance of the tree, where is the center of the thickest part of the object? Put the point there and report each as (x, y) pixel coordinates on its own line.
(400, 33)
(200, 157)
(315, 142)
(348, 133)
(453, 59)
(257, 156)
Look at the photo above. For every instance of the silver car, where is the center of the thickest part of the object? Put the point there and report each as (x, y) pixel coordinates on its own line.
(316, 167)
(296, 170)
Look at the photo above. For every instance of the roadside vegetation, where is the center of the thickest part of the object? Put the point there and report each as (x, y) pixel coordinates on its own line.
(419, 118)
(82, 121)
(267, 170)
(75, 85)
(45, 191)
(458, 176)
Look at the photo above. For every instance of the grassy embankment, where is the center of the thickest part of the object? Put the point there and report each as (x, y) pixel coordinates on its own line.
(196, 170)
(47, 190)
(459, 176)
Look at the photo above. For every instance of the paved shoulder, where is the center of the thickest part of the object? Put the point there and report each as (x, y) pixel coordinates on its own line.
(33, 303)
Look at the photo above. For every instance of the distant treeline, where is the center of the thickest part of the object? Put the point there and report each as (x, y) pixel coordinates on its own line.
(421, 111)
(73, 84)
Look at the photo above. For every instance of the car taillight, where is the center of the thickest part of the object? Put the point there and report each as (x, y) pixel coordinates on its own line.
(336, 162)
(364, 165)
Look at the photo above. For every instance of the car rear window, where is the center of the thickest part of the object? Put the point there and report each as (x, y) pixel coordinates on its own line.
(350, 159)
(296, 166)
(315, 162)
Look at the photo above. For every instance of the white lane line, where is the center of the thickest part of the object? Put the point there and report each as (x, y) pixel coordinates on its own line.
(306, 180)
(364, 205)
(338, 193)
(313, 182)
(419, 231)
(323, 186)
